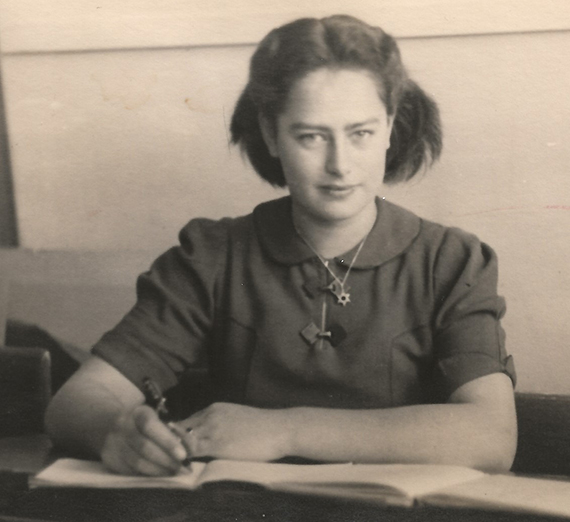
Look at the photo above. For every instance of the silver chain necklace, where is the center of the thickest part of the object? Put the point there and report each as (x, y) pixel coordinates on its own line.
(337, 287)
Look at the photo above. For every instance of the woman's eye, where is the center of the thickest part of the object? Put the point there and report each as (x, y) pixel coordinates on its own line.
(309, 140)
(365, 133)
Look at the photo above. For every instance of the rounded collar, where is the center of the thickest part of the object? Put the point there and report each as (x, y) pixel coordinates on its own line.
(394, 231)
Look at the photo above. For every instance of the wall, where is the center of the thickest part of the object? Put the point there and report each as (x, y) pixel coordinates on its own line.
(119, 135)
(8, 226)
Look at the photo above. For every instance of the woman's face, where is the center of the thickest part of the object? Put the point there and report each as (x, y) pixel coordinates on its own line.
(331, 140)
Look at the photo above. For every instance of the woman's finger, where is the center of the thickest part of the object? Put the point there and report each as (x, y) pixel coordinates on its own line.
(112, 460)
(150, 427)
(199, 443)
(149, 451)
(118, 456)
(139, 464)
(200, 418)
(200, 446)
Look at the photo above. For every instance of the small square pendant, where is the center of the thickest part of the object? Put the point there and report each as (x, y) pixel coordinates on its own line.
(311, 333)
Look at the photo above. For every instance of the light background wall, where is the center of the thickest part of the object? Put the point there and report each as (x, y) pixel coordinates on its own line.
(118, 119)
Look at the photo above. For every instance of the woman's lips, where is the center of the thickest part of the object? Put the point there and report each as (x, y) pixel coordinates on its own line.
(338, 190)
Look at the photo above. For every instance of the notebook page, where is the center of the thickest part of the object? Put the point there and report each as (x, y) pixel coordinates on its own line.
(85, 473)
(420, 479)
(267, 473)
(408, 479)
(511, 493)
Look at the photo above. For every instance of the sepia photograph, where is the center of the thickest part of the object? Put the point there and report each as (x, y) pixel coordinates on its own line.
(284, 261)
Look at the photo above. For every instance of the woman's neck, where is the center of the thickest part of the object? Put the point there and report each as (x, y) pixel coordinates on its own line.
(332, 238)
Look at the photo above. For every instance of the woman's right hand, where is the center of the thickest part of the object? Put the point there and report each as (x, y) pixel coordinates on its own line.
(139, 443)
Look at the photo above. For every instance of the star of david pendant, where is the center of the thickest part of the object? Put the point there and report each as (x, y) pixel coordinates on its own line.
(343, 298)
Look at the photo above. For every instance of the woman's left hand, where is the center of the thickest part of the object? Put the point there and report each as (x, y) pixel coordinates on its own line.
(234, 431)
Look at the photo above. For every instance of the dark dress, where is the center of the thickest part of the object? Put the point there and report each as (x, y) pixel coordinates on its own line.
(245, 300)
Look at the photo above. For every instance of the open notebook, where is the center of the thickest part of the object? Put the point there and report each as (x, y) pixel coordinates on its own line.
(401, 484)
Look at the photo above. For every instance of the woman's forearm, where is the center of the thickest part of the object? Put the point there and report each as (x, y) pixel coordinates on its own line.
(444, 434)
(80, 426)
(476, 434)
(476, 428)
(83, 411)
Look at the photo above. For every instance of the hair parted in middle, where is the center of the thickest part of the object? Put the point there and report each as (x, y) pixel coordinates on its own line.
(290, 52)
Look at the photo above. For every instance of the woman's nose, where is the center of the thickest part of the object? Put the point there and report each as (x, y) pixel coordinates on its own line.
(338, 158)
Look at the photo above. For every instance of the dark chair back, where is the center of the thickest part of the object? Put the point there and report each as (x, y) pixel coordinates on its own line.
(25, 390)
(544, 434)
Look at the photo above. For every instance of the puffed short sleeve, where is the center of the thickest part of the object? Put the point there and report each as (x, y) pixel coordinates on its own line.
(469, 341)
(167, 330)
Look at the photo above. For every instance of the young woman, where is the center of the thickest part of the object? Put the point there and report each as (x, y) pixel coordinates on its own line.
(332, 324)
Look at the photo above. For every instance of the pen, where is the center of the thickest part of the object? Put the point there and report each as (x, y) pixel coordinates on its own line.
(154, 398)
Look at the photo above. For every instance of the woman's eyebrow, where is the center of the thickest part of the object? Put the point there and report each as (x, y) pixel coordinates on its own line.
(370, 121)
(306, 126)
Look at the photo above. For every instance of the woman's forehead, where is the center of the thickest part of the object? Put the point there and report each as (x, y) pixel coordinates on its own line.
(333, 93)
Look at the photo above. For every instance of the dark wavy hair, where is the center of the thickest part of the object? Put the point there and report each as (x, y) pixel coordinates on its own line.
(290, 52)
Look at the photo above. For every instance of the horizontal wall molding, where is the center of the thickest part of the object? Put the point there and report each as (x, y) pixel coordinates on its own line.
(29, 26)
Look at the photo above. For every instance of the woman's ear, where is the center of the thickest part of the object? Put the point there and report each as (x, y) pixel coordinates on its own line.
(268, 131)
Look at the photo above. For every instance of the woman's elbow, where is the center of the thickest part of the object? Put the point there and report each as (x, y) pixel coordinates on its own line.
(497, 447)
(59, 416)
(72, 418)
(491, 436)
(506, 450)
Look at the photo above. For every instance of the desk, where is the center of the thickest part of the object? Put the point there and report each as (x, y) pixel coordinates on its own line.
(20, 457)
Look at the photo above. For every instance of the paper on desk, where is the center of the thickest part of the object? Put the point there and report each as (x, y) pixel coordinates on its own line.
(405, 481)
(411, 480)
(91, 474)
(510, 493)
